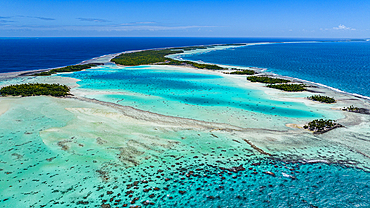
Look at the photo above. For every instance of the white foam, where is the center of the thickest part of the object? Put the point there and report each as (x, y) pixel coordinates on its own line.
(265, 69)
(317, 161)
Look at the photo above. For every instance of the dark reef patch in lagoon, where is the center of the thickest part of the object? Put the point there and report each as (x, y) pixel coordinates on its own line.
(257, 182)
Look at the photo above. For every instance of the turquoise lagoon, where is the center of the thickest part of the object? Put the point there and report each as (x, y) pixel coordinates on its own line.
(64, 158)
(193, 138)
(193, 94)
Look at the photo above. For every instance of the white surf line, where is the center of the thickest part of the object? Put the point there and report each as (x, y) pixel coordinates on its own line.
(265, 69)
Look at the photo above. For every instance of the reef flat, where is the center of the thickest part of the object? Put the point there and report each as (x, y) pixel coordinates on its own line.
(166, 136)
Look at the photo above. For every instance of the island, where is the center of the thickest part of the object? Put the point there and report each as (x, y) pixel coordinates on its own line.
(288, 87)
(156, 134)
(267, 80)
(319, 126)
(354, 109)
(35, 89)
(322, 99)
(158, 57)
(242, 72)
(72, 68)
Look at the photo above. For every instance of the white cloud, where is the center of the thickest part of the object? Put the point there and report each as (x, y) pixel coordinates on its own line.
(43, 18)
(5, 21)
(146, 27)
(93, 20)
(36, 17)
(121, 27)
(137, 23)
(144, 23)
(342, 27)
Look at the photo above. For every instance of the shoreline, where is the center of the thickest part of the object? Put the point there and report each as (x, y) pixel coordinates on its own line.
(275, 146)
(9, 75)
(111, 56)
(106, 147)
(261, 71)
(358, 100)
(344, 98)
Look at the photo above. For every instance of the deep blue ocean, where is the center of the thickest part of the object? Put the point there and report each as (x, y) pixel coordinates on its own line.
(193, 170)
(22, 54)
(342, 65)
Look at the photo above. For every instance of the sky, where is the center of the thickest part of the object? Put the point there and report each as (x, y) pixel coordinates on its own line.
(180, 18)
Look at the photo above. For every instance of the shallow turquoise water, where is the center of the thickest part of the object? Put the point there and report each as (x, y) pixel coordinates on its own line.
(189, 88)
(294, 185)
(186, 94)
(36, 172)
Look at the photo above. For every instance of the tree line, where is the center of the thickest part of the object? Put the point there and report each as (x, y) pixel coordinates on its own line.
(71, 68)
(35, 89)
(267, 80)
(321, 98)
(159, 57)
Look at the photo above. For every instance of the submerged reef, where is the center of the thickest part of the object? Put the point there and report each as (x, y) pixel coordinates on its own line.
(224, 143)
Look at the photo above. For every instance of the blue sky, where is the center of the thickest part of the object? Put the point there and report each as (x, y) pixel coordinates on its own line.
(150, 18)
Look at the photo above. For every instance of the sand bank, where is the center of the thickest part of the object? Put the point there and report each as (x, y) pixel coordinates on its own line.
(104, 148)
(272, 141)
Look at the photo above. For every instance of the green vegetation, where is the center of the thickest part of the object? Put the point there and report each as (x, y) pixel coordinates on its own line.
(244, 72)
(323, 99)
(351, 109)
(56, 90)
(143, 57)
(158, 57)
(193, 48)
(321, 125)
(278, 83)
(72, 68)
(288, 87)
(193, 64)
(204, 66)
(189, 48)
(233, 44)
(356, 110)
(268, 80)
